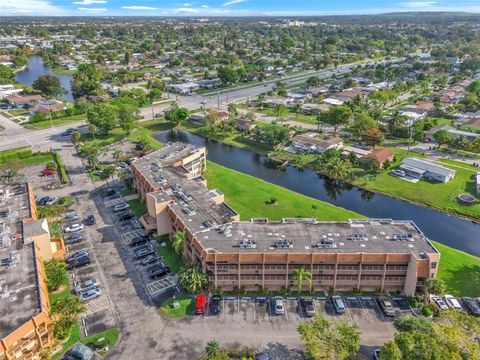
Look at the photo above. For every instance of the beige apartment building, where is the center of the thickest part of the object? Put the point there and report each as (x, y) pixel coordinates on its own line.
(25, 242)
(362, 254)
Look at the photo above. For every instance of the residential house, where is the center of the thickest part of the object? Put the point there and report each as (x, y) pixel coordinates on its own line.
(455, 133)
(381, 155)
(183, 89)
(312, 143)
(242, 124)
(24, 101)
(424, 169)
(314, 109)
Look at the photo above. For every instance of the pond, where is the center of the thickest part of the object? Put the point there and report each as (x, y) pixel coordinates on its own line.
(449, 230)
(36, 67)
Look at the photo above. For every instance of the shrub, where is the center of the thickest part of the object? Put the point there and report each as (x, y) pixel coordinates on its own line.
(427, 311)
(61, 168)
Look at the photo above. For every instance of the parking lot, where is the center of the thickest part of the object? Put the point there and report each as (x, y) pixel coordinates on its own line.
(129, 230)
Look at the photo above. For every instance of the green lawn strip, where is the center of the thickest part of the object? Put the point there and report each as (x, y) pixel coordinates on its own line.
(229, 138)
(97, 175)
(72, 340)
(37, 159)
(436, 195)
(75, 329)
(56, 122)
(110, 338)
(6, 114)
(139, 208)
(127, 191)
(186, 307)
(173, 260)
(248, 196)
(459, 271)
(17, 112)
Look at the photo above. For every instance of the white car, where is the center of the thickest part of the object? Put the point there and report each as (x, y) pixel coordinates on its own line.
(453, 303)
(279, 306)
(52, 201)
(439, 302)
(74, 228)
(91, 294)
(398, 172)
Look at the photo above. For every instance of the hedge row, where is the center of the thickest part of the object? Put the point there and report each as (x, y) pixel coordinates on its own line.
(62, 173)
(19, 154)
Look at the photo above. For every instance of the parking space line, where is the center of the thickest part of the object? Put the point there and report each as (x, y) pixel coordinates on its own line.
(379, 310)
(285, 307)
(363, 307)
(238, 309)
(348, 311)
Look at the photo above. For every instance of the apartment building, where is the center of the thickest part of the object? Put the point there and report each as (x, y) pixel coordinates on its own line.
(362, 254)
(25, 242)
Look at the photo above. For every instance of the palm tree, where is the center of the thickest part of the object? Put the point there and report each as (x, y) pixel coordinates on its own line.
(76, 136)
(212, 349)
(280, 111)
(296, 108)
(232, 109)
(301, 274)
(192, 278)
(93, 130)
(336, 168)
(178, 240)
(396, 122)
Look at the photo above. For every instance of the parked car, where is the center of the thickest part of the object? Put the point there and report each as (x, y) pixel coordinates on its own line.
(126, 216)
(110, 192)
(338, 304)
(439, 303)
(138, 240)
(77, 255)
(149, 260)
(200, 304)
(307, 306)
(262, 356)
(398, 172)
(79, 352)
(279, 307)
(471, 305)
(43, 200)
(71, 217)
(74, 228)
(52, 200)
(386, 305)
(90, 220)
(453, 303)
(91, 294)
(68, 132)
(158, 270)
(76, 238)
(215, 304)
(87, 285)
(142, 253)
(78, 262)
(47, 172)
(121, 207)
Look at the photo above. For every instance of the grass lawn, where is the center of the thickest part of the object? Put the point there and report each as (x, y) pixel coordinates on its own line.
(173, 260)
(436, 195)
(110, 338)
(97, 175)
(127, 191)
(307, 119)
(144, 130)
(17, 112)
(75, 329)
(248, 196)
(37, 159)
(186, 307)
(56, 122)
(460, 272)
(225, 137)
(139, 208)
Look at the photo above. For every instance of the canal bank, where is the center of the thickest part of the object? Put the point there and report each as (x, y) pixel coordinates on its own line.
(36, 67)
(449, 230)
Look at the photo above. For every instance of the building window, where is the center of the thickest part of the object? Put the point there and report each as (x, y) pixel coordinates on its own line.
(433, 265)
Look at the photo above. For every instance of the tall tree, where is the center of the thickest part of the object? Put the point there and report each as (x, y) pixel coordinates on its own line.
(103, 116)
(300, 274)
(48, 85)
(178, 240)
(337, 116)
(372, 137)
(326, 340)
(280, 111)
(126, 119)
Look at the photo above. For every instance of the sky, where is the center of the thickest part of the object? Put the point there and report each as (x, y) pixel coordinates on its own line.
(225, 7)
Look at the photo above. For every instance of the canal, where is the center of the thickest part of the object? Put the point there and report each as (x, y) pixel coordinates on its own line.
(449, 230)
(36, 67)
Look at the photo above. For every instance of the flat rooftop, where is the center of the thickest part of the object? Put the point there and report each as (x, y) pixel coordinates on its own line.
(308, 235)
(19, 296)
(212, 223)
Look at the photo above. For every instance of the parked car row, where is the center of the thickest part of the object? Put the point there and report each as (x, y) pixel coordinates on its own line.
(46, 200)
(78, 259)
(468, 304)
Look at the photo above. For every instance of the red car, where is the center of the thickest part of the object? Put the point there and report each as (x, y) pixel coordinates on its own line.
(201, 304)
(47, 172)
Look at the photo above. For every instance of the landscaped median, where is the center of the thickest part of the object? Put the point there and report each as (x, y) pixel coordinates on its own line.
(183, 306)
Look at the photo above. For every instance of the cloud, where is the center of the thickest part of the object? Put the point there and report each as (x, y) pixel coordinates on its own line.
(187, 4)
(187, 10)
(418, 4)
(89, 2)
(36, 7)
(136, 7)
(205, 6)
(94, 10)
(232, 2)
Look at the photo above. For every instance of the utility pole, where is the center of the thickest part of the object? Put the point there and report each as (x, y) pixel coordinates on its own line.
(218, 100)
